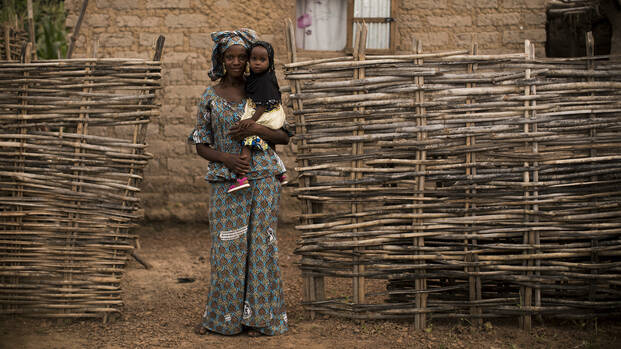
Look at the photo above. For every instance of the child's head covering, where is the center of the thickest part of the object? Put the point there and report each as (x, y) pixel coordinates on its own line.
(222, 41)
(270, 52)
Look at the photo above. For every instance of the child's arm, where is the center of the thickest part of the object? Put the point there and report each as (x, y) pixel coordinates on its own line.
(258, 112)
(255, 117)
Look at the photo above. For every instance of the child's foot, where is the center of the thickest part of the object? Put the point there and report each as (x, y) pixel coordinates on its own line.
(283, 179)
(239, 184)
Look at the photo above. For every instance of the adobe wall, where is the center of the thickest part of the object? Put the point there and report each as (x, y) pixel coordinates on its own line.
(498, 26)
(174, 187)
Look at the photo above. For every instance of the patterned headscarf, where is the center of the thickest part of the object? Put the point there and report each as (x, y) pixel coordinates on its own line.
(222, 41)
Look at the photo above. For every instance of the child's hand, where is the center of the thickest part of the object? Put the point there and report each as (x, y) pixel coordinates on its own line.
(244, 124)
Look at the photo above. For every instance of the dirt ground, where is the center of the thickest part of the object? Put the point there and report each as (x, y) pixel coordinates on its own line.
(160, 312)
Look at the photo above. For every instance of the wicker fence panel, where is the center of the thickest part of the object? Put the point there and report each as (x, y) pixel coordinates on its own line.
(72, 150)
(459, 185)
(11, 41)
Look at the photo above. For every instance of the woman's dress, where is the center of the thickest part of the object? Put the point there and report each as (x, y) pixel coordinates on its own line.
(246, 288)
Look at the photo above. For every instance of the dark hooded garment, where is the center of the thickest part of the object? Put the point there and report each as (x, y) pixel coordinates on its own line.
(263, 89)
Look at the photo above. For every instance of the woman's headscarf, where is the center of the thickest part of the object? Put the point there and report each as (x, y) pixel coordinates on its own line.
(222, 41)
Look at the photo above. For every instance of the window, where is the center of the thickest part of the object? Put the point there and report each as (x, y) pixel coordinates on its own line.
(321, 24)
(378, 16)
(330, 24)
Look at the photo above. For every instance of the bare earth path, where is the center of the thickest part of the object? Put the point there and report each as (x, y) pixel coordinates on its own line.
(159, 312)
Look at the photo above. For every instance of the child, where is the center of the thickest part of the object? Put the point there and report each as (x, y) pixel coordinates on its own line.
(264, 93)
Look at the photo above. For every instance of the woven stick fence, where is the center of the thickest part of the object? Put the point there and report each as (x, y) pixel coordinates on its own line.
(458, 185)
(72, 151)
(12, 38)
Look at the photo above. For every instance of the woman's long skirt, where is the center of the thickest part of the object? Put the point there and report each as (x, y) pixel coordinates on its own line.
(246, 288)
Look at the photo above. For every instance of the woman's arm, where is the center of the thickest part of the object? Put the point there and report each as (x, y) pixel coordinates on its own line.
(239, 164)
(267, 134)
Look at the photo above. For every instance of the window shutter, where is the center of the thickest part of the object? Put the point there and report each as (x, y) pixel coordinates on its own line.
(378, 15)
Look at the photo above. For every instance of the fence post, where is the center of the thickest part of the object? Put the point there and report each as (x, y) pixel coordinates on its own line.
(421, 282)
(590, 52)
(359, 287)
(474, 281)
(21, 159)
(535, 233)
(528, 237)
(76, 30)
(82, 130)
(31, 31)
(7, 41)
(313, 286)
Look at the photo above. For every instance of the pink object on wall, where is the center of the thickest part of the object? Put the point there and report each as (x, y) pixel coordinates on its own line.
(304, 21)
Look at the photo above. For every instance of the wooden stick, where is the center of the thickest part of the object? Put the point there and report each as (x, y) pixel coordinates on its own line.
(7, 42)
(31, 31)
(420, 283)
(359, 286)
(141, 260)
(313, 286)
(76, 30)
(474, 282)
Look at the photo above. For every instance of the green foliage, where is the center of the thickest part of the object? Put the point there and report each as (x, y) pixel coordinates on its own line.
(49, 18)
(51, 31)
(9, 11)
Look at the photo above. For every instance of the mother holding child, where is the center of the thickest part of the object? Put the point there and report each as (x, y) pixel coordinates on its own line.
(246, 289)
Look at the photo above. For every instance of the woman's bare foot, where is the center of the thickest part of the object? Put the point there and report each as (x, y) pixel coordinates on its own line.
(201, 330)
(254, 333)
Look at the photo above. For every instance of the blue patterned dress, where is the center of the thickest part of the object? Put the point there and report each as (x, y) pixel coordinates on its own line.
(246, 288)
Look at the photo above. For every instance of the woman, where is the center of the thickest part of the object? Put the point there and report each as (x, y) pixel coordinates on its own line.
(246, 289)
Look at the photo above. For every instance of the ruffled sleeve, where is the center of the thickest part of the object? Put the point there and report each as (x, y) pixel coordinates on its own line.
(202, 133)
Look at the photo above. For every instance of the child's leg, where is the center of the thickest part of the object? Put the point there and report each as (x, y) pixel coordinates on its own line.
(246, 153)
(282, 175)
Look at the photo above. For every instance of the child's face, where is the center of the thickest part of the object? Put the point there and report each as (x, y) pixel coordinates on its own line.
(259, 60)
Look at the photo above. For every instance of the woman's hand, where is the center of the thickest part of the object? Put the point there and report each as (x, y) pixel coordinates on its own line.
(237, 132)
(239, 164)
(246, 123)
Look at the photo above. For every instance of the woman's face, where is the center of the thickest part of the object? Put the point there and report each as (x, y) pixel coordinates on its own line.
(235, 59)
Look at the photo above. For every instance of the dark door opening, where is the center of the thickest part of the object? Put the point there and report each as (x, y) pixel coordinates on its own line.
(566, 30)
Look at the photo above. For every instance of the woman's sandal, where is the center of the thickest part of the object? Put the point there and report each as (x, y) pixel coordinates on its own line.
(201, 330)
(254, 333)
